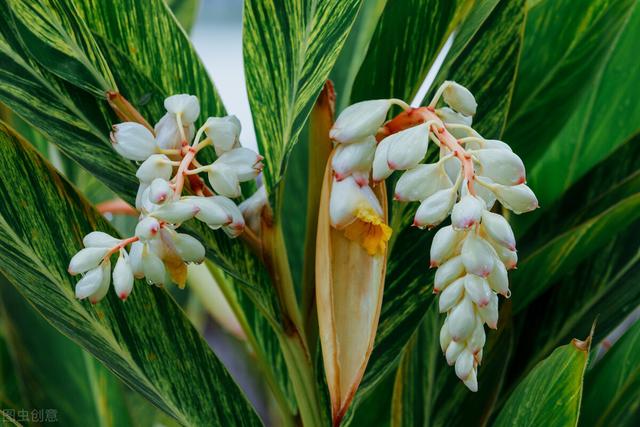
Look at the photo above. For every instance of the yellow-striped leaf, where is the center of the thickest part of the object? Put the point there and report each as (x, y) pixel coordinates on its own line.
(289, 49)
(148, 342)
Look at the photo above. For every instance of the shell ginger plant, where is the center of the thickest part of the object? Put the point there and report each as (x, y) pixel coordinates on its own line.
(357, 267)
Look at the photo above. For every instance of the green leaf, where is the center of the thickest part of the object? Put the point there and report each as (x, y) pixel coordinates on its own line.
(617, 378)
(57, 38)
(540, 268)
(185, 11)
(566, 49)
(56, 373)
(408, 284)
(550, 395)
(407, 39)
(606, 117)
(289, 49)
(148, 342)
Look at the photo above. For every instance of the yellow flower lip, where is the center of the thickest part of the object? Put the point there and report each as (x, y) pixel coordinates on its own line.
(369, 231)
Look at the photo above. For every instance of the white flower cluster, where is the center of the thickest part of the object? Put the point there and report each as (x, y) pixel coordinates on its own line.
(472, 254)
(158, 252)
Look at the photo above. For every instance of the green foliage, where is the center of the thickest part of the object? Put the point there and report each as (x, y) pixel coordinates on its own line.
(556, 79)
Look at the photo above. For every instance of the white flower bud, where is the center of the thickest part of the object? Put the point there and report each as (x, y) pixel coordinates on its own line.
(245, 163)
(156, 166)
(224, 132)
(99, 239)
(184, 104)
(461, 320)
(464, 364)
(433, 210)
(477, 289)
(502, 166)
(459, 98)
(420, 182)
(477, 256)
(498, 228)
(489, 313)
(467, 212)
(483, 193)
(345, 200)
(447, 273)
(90, 282)
(153, 267)
(517, 198)
(444, 244)
(141, 196)
(499, 280)
(407, 148)
(147, 228)
(508, 258)
(380, 168)
(103, 289)
(176, 212)
(359, 120)
(449, 116)
(188, 247)
(453, 351)
(86, 259)
(224, 180)
(135, 259)
(168, 134)
(252, 209)
(451, 295)
(212, 212)
(472, 381)
(159, 191)
(237, 224)
(478, 337)
(133, 141)
(354, 159)
(445, 337)
(123, 276)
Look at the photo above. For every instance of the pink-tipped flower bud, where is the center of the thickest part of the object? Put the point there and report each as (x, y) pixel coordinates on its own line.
(354, 159)
(407, 148)
(380, 168)
(459, 98)
(444, 245)
(478, 337)
(135, 259)
(103, 287)
(461, 320)
(502, 166)
(188, 248)
(123, 276)
(433, 210)
(87, 259)
(176, 212)
(471, 381)
(467, 212)
(147, 228)
(499, 280)
(159, 191)
(464, 364)
(517, 198)
(89, 283)
(99, 239)
(245, 163)
(489, 313)
(153, 267)
(133, 141)
(451, 295)
(498, 228)
(477, 256)
(447, 273)
(453, 351)
(156, 166)
(359, 120)
(477, 289)
(420, 182)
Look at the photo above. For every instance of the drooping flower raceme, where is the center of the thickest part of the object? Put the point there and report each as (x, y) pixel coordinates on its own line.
(157, 251)
(473, 253)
